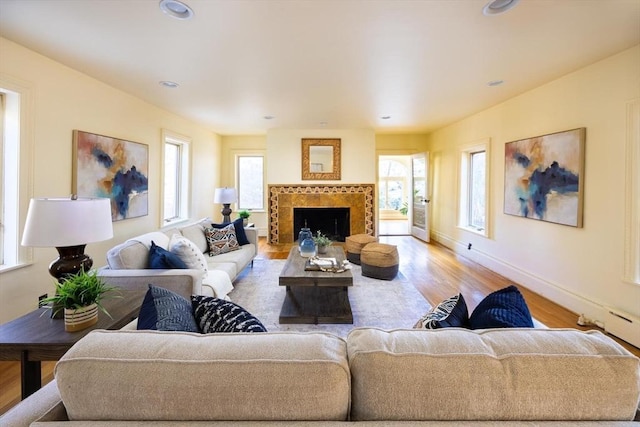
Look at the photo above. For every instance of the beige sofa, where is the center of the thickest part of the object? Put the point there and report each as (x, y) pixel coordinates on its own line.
(373, 377)
(208, 275)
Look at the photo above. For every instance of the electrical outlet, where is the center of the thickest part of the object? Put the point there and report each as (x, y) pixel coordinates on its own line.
(469, 246)
(40, 298)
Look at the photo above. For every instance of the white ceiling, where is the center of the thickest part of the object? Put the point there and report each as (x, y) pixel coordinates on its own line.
(425, 63)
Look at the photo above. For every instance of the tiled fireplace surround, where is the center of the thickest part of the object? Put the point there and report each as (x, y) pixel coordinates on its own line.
(283, 198)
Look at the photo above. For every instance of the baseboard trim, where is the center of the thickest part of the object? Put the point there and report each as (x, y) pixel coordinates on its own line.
(548, 289)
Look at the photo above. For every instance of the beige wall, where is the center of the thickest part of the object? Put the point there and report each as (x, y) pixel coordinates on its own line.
(580, 268)
(284, 151)
(64, 100)
(400, 144)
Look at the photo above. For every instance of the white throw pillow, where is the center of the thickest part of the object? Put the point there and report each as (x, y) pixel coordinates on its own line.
(217, 281)
(188, 252)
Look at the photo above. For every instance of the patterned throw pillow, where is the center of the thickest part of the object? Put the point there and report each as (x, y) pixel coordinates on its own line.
(160, 258)
(239, 227)
(504, 308)
(217, 315)
(221, 240)
(163, 310)
(450, 313)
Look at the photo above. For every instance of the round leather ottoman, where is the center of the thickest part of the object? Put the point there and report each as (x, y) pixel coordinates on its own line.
(380, 261)
(354, 245)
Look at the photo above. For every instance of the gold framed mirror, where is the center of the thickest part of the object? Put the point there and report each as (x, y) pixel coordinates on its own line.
(320, 159)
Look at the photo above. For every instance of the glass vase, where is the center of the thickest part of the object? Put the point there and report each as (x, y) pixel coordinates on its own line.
(304, 234)
(308, 247)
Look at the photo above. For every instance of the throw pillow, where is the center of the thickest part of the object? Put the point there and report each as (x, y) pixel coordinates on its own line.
(163, 310)
(188, 252)
(221, 240)
(160, 258)
(450, 313)
(217, 315)
(238, 225)
(504, 308)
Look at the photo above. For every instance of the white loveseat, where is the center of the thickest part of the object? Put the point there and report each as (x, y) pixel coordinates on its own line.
(127, 263)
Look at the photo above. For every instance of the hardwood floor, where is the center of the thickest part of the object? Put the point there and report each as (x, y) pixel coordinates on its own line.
(438, 273)
(435, 271)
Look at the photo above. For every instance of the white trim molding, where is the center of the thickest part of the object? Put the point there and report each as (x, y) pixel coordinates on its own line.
(632, 195)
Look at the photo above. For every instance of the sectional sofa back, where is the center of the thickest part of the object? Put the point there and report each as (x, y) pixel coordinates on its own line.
(134, 253)
(404, 375)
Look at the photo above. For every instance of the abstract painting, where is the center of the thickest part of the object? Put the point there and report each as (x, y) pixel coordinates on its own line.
(544, 177)
(112, 168)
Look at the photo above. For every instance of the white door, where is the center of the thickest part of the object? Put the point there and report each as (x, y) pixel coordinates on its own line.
(420, 214)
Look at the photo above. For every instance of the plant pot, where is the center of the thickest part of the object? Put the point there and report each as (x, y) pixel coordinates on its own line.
(322, 249)
(77, 319)
(245, 221)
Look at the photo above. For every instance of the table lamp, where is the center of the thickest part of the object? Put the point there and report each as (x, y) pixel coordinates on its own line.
(68, 225)
(226, 196)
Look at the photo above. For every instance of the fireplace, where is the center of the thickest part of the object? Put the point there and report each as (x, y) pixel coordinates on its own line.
(283, 199)
(332, 222)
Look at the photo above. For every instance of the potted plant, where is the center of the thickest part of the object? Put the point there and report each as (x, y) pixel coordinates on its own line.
(80, 296)
(322, 241)
(244, 214)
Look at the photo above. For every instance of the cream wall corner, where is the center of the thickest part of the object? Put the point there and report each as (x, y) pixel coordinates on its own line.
(579, 268)
(64, 100)
(285, 155)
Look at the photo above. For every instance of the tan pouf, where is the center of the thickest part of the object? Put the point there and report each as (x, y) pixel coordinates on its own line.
(380, 261)
(354, 244)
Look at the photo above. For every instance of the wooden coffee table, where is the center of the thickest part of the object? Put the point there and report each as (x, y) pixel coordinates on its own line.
(35, 336)
(314, 297)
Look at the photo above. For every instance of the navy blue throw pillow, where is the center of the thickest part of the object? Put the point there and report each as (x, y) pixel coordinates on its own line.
(163, 310)
(504, 308)
(160, 258)
(238, 225)
(450, 313)
(218, 315)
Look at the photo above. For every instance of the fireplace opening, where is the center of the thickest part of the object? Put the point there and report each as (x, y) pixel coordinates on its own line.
(333, 222)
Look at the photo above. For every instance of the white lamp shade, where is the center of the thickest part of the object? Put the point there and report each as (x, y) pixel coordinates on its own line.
(67, 222)
(225, 195)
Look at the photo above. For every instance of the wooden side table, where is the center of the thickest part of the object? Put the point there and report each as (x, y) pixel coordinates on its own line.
(35, 336)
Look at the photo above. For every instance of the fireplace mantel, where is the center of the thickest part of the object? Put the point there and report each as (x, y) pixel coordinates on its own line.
(283, 198)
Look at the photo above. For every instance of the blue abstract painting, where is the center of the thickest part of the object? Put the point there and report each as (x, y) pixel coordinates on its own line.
(112, 168)
(543, 177)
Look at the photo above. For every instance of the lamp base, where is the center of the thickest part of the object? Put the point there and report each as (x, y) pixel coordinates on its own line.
(72, 260)
(226, 212)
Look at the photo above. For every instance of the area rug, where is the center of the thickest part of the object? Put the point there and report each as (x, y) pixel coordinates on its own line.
(374, 303)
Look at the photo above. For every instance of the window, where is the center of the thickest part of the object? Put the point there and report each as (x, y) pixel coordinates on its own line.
(175, 196)
(16, 130)
(250, 179)
(477, 193)
(474, 172)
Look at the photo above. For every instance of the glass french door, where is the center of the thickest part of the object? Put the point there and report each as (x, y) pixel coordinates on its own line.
(420, 213)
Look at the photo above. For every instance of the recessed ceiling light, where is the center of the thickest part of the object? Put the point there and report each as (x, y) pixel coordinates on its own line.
(169, 84)
(496, 7)
(176, 9)
(385, 117)
(495, 82)
(269, 117)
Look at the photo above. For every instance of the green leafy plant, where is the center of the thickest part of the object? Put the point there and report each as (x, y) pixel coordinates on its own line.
(79, 290)
(321, 239)
(244, 214)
